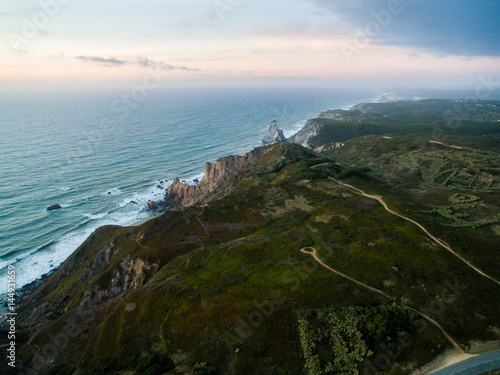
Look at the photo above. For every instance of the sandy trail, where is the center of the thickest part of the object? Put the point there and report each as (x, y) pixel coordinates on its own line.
(313, 253)
(435, 239)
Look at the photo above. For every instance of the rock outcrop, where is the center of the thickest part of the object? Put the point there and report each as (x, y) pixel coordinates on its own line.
(129, 275)
(180, 194)
(273, 134)
(362, 107)
(340, 115)
(215, 178)
(305, 135)
(54, 207)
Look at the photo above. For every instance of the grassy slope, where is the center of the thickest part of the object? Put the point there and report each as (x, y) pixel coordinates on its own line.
(448, 109)
(428, 176)
(201, 304)
(442, 118)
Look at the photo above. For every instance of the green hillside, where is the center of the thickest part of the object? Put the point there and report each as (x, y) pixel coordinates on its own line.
(231, 286)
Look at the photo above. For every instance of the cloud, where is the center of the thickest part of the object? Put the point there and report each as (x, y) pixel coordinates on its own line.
(142, 62)
(18, 51)
(445, 27)
(96, 59)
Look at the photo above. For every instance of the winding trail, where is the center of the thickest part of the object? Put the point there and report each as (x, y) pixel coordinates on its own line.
(199, 221)
(314, 254)
(435, 239)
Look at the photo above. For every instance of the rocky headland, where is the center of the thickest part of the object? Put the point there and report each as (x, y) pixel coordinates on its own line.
(225, 281)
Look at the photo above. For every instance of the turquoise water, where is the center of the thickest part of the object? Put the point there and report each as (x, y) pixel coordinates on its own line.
(102, 164)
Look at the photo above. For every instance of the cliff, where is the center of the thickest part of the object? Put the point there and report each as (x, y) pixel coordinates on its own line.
(339, 114)
(227, 284)
(304, 136)
(273, 134)
(215, 180)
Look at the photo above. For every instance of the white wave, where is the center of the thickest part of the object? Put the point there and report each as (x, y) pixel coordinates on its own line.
(129, 218)
(294, 128)
(114, 191)
(198, 177)
(31, 266)
(96, 216)
(6, 263)
(65, 188)
(23, 256)
(347, 107)
(140, 200)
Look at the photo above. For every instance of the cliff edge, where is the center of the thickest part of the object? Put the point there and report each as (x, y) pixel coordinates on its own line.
(216, 180)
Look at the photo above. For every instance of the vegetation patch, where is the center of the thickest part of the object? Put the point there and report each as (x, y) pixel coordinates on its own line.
(467, 211)
(340, 340)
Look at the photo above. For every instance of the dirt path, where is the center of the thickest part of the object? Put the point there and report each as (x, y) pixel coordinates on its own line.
(444, 144)
(314, 254)
(435, 239)
(320, 165)
(199, 221)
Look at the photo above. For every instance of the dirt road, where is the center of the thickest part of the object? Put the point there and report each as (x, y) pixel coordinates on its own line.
(435, 239)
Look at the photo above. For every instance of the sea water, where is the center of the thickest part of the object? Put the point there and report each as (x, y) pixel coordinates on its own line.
(102, 158)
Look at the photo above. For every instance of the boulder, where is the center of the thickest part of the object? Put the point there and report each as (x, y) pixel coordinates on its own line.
(54, 207)
(152, 205)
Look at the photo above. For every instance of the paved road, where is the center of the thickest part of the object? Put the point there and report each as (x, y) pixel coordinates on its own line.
(474, 366)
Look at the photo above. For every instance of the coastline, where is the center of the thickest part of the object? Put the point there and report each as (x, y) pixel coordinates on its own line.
(27, 288)
(24, 293)
(138, 223)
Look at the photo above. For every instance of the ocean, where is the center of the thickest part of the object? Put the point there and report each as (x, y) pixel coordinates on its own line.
(102, 157)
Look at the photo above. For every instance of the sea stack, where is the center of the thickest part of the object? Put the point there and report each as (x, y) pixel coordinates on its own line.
(273, 134)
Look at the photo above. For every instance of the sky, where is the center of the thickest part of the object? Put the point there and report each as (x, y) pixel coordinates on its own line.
(412, 43)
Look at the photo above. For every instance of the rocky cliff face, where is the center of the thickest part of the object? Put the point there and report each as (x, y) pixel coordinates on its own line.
(130, 274)
(304, 135)
(273, 134)
(340, 115)
(216, 174)
(127, 274)
(179, 194)
(362, 107)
